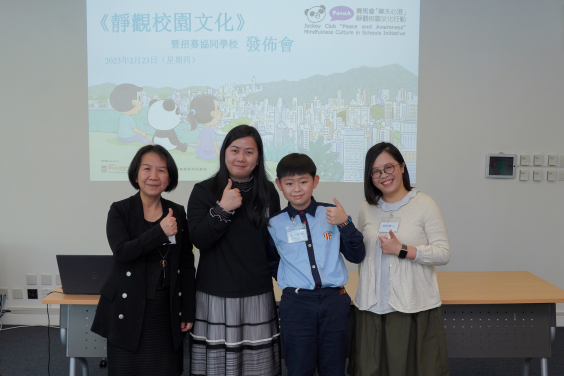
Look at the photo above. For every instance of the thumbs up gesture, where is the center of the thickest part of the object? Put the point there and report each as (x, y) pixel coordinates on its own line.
(168, 224)
(336, 216)
(231, 198)
(391, 245)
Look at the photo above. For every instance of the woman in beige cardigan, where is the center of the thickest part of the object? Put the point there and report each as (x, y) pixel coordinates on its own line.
(399, 328)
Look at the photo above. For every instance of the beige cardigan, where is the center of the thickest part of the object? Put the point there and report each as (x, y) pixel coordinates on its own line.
(413, 285)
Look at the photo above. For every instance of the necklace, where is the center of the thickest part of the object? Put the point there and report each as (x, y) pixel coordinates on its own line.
(244, 186)
(163, 262)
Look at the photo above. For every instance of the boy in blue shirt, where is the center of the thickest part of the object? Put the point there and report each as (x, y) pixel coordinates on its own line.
(305, 245)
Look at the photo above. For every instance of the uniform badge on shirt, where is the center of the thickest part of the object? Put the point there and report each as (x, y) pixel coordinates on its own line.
(327, 235)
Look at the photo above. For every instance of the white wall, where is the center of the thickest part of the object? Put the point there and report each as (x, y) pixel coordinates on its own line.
(491, 80)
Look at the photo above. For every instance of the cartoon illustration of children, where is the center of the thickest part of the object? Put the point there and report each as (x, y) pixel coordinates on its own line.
(204, 109)
(126, 98)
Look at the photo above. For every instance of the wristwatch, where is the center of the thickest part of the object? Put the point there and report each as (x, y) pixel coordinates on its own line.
(403, 251)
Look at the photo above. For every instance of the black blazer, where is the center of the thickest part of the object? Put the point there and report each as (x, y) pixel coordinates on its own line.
(120, 312)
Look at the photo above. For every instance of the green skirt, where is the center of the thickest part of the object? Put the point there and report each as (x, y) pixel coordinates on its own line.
(399, 344)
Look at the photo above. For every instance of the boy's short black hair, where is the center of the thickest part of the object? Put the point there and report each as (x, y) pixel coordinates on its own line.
(133, 170)
(295, 164)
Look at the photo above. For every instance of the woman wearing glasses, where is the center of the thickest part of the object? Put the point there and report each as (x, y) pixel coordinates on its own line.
(399, 328)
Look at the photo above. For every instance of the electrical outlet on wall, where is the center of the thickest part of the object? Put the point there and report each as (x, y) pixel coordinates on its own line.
(45, 292)
(32, 294)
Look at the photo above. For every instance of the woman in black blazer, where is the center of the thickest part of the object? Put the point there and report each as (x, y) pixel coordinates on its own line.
(148, 302)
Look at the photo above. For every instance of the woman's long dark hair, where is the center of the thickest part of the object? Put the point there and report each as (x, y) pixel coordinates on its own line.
(257, 208)
(371, 193)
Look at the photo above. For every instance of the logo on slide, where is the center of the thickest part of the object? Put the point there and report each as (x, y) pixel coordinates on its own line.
(104, 168)
(341, 13)
(315, 14)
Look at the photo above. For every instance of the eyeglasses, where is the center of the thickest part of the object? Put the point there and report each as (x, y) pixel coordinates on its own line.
(388, 169)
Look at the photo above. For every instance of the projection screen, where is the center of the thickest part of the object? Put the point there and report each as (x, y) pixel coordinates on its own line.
(327, 79)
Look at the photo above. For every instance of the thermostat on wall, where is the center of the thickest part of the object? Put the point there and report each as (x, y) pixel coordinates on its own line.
(500, 166)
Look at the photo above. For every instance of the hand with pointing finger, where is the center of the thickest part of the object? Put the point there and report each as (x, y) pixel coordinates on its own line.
(336, 216)
(168, 224)
(391, 245)
(231, 198)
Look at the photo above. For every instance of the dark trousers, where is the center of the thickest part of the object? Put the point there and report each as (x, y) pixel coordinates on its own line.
(314, 327)
(399, 344)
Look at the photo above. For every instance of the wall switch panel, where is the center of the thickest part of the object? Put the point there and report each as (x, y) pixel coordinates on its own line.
(17, 293)
(3, 291)
(523, 175)
(46, 279)
(57, 279)
(561, 164)
(525, 160)
(45, 292)
(537, 175)
(537, 160)
(551, 175)
(552, 160)
(561, 175)
(31, 279)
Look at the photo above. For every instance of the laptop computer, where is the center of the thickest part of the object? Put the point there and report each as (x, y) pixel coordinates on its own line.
(84, 274)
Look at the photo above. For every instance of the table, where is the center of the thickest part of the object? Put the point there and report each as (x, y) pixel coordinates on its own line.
(494, 314)
(499, 315)
(76, 316)
(487, 315)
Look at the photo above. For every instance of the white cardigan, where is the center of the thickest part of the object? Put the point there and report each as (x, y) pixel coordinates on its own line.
(414, 285)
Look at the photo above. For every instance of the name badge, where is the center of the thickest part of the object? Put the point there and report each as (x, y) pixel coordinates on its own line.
(385, 227)
(296, 232)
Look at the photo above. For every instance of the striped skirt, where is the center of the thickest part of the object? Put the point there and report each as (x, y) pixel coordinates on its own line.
(235, 336)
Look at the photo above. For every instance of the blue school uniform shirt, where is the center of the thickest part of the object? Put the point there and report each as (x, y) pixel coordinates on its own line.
(317, 262)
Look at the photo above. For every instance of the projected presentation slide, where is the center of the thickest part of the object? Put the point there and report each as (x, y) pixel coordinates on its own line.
(329, 79)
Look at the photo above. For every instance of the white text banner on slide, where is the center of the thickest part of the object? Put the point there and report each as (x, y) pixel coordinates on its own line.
(329, 79)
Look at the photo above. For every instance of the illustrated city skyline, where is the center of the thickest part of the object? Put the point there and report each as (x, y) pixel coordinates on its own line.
(350, 126)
